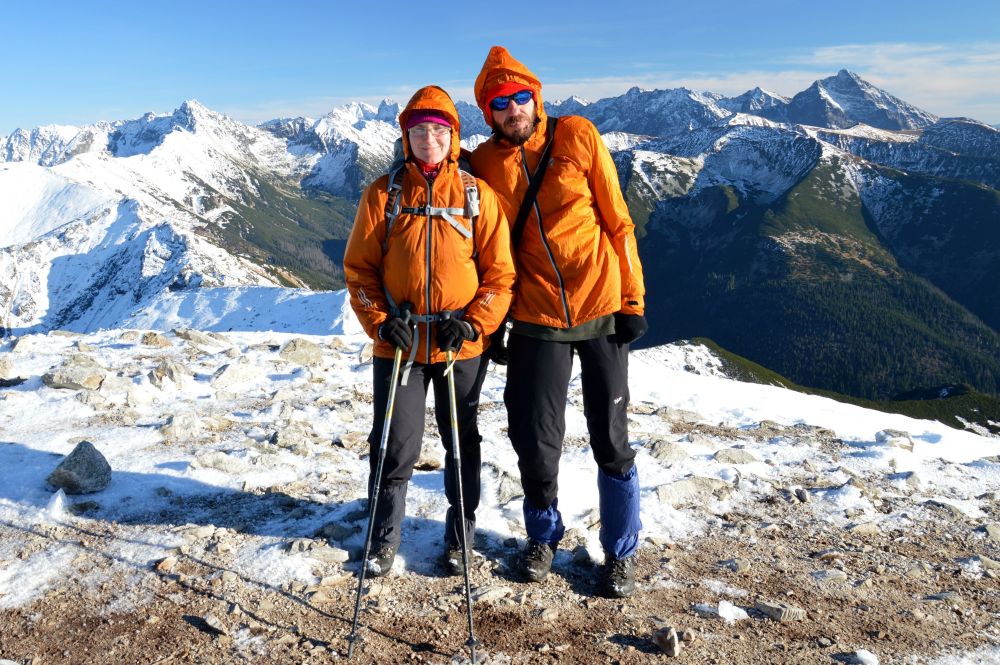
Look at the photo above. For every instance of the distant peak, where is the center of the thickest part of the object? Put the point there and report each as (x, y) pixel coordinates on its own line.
(847, 76)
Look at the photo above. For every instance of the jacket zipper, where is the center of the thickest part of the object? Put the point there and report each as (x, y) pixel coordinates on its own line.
(427, 289)
(545, 243)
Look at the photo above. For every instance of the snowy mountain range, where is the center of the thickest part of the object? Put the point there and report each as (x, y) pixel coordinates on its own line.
(841, 185)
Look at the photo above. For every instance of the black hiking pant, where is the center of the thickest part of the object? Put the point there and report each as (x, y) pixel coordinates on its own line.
(538, 374)
(406, 438)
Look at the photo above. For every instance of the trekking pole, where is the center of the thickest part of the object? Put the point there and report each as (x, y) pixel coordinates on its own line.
(373, 503)
(457, 457)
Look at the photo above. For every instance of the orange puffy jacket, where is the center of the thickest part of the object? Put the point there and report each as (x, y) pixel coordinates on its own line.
(426, 262)
(579, 261)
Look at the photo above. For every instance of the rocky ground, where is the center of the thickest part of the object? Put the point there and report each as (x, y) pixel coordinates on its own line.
(791, 545)
(904, 596)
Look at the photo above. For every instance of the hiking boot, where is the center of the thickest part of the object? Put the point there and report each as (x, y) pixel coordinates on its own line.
(454, 562)
(537, 560)
(380, 562)
(619, 577)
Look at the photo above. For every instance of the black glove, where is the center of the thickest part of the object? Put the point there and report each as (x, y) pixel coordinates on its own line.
(397, 332)
(629, 327)
(452, 332)
(498, 345)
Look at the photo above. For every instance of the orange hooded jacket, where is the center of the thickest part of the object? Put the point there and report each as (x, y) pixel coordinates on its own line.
(426, 262)
(579, 261)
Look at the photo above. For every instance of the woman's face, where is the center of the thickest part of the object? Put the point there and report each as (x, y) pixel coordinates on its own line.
(430, 142)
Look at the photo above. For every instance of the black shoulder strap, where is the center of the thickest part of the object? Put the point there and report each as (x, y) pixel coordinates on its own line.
(393, 190)
(533, 184)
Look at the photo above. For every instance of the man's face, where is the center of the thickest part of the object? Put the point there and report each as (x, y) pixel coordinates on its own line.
(516, 123)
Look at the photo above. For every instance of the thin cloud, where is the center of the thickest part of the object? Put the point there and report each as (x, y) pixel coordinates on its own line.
(944, 79)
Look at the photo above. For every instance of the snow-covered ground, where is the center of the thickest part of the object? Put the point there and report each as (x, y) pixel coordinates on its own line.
(195, 450)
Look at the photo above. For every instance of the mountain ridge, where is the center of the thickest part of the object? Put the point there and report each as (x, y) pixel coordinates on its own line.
(699, 170)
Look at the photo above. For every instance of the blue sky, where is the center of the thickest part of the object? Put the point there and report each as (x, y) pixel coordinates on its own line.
(79, 62)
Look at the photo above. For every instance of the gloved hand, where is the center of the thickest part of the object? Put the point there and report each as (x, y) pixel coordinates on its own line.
(629, 327)
(452, 332)
(498, 346)
(397, 332)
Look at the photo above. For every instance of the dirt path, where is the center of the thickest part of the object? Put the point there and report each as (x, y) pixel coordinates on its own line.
(903, 596)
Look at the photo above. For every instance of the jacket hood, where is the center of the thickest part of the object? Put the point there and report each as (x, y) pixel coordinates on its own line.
(501, 67)
(432, 98)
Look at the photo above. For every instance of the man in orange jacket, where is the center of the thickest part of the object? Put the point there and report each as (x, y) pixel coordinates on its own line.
(579, 290)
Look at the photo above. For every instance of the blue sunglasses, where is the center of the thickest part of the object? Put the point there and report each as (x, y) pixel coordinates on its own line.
(520, 98)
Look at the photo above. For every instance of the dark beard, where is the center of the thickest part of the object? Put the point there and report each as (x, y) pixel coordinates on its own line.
(516, 137)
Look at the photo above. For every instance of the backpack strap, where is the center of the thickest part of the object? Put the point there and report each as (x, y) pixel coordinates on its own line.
(392, 203)
(534, 182)
(471, 205)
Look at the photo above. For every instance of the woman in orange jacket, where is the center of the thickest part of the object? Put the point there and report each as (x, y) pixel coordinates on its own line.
(424, 257)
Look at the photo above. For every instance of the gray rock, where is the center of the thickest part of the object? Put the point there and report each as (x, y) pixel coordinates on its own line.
(233, 374)
(365, 355)
(666, 638)
(895, 438)
(78, 372)
(831, 575)
(864, 529)
(181, 427)
(738, 565)
(328, 554)
(199, 338)
(6, 368)
(912, 480)
(221, 461)
(215, 623)
(780, 611)
(302, 351)
(168, 369)
(295, 437)
(508, 488)
(954, 511)
(802, 495)
(667, 452)
(678, 415)
(992, 532)
(83, 471)
(166, 565)
(491, 593)
(696, 489)
(157, 340)
(734, 456)
(987, 563)
(337, 532)
(864, 657)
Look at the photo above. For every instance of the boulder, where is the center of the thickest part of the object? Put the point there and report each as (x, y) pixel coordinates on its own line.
(198, 338)
(83, 471)
(156, 340)
(895, 438)
(6, 368)
(734, 456)
(181, 427)
(696, 489)
(167, 369)
(233, 374)
(302, 351)
(78, 372)
(667, 452)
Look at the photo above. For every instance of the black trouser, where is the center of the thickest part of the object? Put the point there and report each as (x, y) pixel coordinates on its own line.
(406, 437)
(538, 374)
